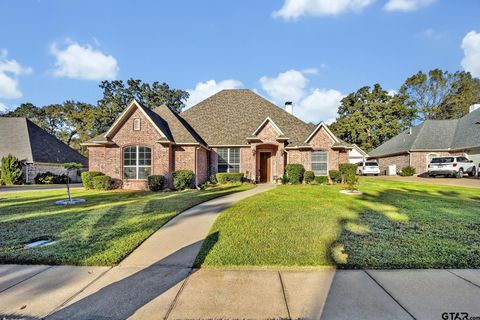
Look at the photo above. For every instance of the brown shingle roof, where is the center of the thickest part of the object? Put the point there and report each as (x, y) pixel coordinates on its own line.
(230, 116)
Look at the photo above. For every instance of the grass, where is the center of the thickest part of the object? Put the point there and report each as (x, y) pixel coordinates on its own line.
(101, 231)
(392, 225)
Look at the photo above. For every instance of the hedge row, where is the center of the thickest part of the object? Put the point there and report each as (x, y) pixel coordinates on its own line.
(229, 177)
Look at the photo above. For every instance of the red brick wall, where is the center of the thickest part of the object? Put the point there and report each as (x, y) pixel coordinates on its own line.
(400, 161)
(202, 169)
(109, 160)
(320, 141)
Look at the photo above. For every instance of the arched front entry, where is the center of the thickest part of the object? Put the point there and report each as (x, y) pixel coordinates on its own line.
(269, 163)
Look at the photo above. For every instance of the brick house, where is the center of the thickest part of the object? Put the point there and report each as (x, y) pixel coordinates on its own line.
(231, 131)
(38, 151)
(417, 146)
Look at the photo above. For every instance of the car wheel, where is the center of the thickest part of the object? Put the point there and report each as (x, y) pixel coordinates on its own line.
(460, 173)
(473, 173)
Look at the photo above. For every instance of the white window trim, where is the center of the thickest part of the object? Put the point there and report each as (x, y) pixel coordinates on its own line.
(135, 122)
(137, 165)
(228, 159)
(326, 162)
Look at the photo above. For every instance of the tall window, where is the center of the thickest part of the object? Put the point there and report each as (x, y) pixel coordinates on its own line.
(228, 159)
(136, 124)
(137, 162)
(320, 163)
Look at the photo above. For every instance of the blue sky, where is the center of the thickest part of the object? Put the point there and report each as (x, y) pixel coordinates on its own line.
(310, 51)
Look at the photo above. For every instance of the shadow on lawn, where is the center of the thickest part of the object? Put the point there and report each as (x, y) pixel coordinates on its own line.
(408, 228)
(121, 299)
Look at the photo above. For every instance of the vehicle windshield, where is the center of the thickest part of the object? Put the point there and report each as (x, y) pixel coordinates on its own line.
(371, 164)
(442, 160)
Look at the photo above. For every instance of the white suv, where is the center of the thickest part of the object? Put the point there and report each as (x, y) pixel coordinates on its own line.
(451, 166)
(368, 167)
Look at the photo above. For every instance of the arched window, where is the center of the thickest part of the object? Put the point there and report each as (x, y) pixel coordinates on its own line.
(137, 162)
(430, 156)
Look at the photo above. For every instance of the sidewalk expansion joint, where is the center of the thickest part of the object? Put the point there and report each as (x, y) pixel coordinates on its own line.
(389, 294)
(33, 275)
(284, 294)
(476, 285)
(177, 296)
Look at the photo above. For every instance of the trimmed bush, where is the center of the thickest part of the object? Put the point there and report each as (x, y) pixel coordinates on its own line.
(321, 180)
(156, 182)
(352, 180)
(87, 178)
(335, 176)
(295, 172)
(183, 179)
(308, 177)
(11, 170)
(102, 182)
(407, 171)
(347, 168)
(50, 178)
(226, 177)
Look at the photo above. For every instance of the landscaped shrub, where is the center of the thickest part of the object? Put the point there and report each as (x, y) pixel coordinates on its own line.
(347, 168)
(335, 176)
(308, 177)
(102, 182)
(227, 177)
(295, 172)
(321, 180)
(183, 179)
(156, 182)
(407, 171)
(351, 180)
(87, 178)
(50, 178)
(11, 170)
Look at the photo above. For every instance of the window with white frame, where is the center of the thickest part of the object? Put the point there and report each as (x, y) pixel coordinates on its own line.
(136, 124)
(137, 162)
(228, 159)
(320, 163)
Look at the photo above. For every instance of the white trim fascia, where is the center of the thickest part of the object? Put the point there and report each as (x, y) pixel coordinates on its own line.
(320, 125)
(132, 104)
(268, 119)
(230, 146)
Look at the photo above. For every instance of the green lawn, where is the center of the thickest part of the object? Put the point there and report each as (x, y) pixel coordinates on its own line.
(102, 231)
(393, 225)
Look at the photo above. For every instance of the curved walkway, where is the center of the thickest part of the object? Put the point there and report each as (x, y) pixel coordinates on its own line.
(150, 276)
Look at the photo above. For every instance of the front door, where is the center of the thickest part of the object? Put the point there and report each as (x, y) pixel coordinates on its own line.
(264, 166)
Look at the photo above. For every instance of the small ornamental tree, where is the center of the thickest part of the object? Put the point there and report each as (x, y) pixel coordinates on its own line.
(294, 172)
(69, 167)
(11, 170)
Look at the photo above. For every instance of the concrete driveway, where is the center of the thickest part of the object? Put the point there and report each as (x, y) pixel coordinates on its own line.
(38, 187)
(463, 182)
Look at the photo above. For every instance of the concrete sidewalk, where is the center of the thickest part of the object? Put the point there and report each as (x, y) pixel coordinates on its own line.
(161, 292)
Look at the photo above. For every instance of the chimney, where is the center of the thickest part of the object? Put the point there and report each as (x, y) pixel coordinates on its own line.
(289, 107)
(474, 107)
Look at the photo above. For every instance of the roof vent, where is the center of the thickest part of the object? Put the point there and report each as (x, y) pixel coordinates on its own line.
(474, 107)
(289, 107)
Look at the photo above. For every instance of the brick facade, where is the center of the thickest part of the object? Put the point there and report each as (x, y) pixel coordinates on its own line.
(167, 158)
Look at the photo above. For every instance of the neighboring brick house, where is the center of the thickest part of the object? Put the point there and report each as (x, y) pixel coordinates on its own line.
(417, 146)
(38, 150)
(231, 131)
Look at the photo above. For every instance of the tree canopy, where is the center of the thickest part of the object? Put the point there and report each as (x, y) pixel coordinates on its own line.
(370, 116)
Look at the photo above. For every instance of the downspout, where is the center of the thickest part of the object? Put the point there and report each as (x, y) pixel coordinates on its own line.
(196, 168)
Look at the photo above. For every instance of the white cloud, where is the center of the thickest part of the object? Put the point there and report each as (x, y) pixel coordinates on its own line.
(407, 5)
(205, 89)
(293, 9)
(83, 62)
(9, 72)
(3, 108)
(286, 86)
(431, 33)
(471, 50)
(320, 105)
(392, 92)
